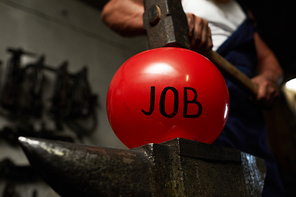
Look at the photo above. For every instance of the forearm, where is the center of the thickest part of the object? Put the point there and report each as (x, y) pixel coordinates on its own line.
(124, 17)
(268, 64)
(268, 74)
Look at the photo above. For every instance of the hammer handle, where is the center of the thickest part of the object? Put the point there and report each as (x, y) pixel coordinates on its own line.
(233, 74)
(166, 24)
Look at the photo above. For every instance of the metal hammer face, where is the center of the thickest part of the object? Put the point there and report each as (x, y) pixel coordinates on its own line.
(165, 23)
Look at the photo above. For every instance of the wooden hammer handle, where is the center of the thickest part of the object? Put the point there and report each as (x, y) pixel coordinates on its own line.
(233, 74)
(166, 24)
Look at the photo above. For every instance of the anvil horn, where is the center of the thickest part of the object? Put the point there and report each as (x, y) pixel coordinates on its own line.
(175, 168)
(78, 170)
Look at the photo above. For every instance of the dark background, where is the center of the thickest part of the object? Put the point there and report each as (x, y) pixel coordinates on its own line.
(275, 23)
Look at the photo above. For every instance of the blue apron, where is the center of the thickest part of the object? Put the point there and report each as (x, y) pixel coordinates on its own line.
(245, 127)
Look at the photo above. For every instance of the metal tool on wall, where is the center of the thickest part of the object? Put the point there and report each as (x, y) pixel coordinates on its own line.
(11, 90)
(24, 106)
(22, 96)
(73, 100)
(32, 100)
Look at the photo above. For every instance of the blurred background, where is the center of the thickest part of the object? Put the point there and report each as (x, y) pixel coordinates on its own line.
(58, 58)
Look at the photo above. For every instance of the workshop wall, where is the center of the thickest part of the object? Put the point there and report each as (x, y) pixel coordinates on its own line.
(61, 30)
(68, 30)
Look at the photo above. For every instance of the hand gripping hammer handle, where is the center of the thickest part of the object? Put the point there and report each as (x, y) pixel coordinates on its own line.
(166, 25)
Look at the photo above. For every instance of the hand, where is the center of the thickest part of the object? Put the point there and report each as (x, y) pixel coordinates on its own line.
(199, 34)
(268, 91)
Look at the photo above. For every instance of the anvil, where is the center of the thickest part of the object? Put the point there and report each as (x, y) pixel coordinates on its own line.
(175, 168)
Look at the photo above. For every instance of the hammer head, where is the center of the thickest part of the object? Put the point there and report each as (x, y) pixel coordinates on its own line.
(165, 23)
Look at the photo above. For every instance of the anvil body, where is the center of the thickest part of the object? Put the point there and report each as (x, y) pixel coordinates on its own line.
(175, 168)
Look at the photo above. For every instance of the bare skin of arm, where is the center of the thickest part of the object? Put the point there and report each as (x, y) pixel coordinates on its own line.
(125, 18)
(200, 35)
(268, 73)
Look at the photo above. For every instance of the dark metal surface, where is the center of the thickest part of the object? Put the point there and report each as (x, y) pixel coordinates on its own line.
(175, 168)
(165, 25)
(77, 170)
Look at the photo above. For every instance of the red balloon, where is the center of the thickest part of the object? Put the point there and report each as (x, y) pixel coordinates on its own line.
(167, 93)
